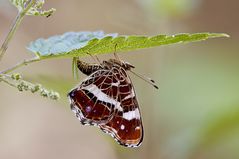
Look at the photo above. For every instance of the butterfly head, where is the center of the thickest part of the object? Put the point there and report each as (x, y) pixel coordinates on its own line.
(114, 62)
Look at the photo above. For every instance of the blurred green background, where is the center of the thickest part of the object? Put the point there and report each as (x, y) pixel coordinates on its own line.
(194, 114)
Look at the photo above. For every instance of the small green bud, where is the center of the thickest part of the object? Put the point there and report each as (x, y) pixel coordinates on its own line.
(39, 4)
(26, 87)
(44, 93)
(35, 88)
(16, 76)
(54, 95)
(19, 87)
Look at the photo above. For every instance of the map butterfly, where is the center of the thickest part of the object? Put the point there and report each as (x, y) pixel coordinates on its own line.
(106, 99)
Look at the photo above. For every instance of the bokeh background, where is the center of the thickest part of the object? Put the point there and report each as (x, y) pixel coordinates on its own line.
(194, 114)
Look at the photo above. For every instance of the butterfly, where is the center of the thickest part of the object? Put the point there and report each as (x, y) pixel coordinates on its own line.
(107, 99)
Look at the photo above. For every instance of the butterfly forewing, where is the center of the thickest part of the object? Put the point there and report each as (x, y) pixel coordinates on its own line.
(107, 99)
(88, 100)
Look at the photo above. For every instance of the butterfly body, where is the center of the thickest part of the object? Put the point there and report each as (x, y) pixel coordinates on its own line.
(106, 98)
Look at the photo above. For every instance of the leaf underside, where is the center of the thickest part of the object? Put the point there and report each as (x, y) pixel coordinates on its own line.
(77, 44)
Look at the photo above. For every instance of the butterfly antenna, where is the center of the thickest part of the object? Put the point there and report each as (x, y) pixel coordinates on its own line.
(146, 79)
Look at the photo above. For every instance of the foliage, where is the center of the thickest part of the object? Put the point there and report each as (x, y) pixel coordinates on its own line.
(78, 44)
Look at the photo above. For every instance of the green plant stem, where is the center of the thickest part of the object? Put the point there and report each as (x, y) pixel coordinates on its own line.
(14, 27)
(25, 62)
(3, 78)
(11, 33)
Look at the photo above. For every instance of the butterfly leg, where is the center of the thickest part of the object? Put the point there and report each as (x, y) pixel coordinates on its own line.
(115, 54)
(95, 58)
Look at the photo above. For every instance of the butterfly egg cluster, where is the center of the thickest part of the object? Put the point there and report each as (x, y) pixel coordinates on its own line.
(27, 86)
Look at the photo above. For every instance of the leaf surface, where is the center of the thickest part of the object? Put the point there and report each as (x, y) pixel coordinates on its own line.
(77, 44)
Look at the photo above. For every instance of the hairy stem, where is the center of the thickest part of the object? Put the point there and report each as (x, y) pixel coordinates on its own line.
(14, 27)
(25, 62)
(11, 33)
(3, 78)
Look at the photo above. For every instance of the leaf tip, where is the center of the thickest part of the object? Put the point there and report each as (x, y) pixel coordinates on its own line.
(226, 35)
(220, 35)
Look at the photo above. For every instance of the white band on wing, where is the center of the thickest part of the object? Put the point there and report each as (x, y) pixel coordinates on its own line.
(134, 114)
(102, 96)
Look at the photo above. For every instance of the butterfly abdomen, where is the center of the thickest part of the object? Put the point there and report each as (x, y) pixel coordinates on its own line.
(86, 68)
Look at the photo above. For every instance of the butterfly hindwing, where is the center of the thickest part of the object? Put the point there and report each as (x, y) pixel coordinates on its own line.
(125, 125)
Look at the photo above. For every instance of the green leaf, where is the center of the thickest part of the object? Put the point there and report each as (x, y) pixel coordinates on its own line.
(65, 43)
(76, 44)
